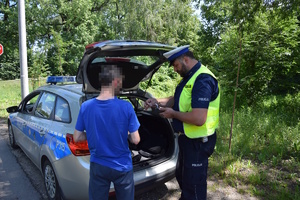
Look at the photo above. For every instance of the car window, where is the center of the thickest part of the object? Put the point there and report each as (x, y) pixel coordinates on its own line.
(62, 110)
(29, 102)
(45, 105)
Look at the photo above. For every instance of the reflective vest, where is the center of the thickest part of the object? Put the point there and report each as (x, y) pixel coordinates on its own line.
(185, 100)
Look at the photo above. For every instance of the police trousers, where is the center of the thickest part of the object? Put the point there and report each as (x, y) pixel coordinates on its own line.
(192, 164)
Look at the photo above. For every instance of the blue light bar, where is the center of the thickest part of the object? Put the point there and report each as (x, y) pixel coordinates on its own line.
(60, 79)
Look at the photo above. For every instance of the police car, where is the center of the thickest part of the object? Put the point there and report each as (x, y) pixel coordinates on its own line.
(42, 125)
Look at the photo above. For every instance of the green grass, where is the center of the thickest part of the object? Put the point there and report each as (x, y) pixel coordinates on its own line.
(265, 147)
(10, 95)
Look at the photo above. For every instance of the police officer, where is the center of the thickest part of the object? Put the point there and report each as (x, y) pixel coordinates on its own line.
(194, 109)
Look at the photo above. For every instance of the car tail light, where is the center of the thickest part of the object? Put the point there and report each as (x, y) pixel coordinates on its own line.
(112, 194)
(78, 148)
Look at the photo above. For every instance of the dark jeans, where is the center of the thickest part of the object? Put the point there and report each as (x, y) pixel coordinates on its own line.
(192, 164)
(101, 178)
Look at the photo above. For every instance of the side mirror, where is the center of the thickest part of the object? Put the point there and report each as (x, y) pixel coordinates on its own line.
(12, 109)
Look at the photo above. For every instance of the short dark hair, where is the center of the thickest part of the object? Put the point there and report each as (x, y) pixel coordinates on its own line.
(188, 54)
(108, 74)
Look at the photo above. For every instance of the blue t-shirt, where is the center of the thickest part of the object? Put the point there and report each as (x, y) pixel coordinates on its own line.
(107, 123)
(205, 89)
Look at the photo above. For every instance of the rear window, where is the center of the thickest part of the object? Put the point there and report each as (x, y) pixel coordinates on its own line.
(62, 110)
(133, 70)
(45, 105)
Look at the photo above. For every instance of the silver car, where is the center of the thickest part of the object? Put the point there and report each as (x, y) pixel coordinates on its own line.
(43, 124)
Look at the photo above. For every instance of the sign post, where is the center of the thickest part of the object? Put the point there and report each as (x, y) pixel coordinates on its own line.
(1, 49)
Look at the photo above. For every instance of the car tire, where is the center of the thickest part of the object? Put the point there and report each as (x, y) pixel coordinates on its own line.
(50, 181)
(11, 135)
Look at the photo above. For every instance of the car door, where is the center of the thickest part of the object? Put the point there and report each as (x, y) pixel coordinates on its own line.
(20, 128)
(40, 124)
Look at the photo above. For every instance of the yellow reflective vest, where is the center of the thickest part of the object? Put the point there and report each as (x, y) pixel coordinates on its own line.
(185, 100)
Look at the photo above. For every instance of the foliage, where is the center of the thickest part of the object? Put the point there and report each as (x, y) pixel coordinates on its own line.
(61, 29)
(163, 82)
(270, 46)
(38, 69)
(268, 31)
(9, 60)
(265, 147)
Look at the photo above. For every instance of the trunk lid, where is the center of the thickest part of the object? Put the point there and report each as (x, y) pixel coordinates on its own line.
(138, 60)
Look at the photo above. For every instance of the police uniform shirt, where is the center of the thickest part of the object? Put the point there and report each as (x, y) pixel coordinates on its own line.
(205, 89)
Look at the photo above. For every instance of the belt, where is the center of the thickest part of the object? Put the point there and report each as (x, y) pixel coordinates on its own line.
(202, 139)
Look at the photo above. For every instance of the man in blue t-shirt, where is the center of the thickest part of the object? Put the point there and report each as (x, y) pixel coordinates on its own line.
(194, 109)
(107, 122)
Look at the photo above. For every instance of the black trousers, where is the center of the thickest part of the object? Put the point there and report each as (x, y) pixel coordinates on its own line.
(192, 164)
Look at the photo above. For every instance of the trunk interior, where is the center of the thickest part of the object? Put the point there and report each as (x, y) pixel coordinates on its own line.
(157, 141)
(157, 137)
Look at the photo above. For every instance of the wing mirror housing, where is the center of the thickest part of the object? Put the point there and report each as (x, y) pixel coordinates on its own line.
(12, 109)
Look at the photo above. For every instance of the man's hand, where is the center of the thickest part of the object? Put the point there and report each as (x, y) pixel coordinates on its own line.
(134, 137)
(79, 136)
(150, 103)
(196, 117)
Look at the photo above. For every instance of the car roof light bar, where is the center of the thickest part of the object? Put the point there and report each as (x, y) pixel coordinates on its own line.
(60, 79)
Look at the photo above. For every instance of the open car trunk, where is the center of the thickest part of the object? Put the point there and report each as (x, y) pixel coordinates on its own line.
(138, 61)
(157, 138)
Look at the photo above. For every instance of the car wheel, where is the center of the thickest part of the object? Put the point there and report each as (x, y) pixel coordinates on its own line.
(50, 181)
(11, 135)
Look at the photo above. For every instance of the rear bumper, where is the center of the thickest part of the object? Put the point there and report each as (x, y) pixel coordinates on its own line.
(155, 181)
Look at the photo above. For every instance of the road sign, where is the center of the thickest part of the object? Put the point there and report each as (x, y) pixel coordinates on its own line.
(1, 49)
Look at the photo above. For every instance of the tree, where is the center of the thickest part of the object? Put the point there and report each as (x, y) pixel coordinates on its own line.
(9, 61)
(64, 28)
(39, 68)
(269, 46)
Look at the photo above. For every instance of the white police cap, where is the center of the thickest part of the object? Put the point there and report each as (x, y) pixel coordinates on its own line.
(175, 53)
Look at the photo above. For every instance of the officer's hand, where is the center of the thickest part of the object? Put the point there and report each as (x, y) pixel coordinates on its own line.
(166, 112)
(151, 102)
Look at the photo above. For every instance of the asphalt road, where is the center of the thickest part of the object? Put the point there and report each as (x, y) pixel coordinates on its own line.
(14, 183)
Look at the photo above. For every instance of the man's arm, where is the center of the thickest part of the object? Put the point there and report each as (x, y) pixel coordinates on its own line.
(134, 137)
(79, 136)
(197, 116)
(163, 102)
(166, 102)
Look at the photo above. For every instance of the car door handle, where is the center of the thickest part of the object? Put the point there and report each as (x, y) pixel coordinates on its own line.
(42, 132)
